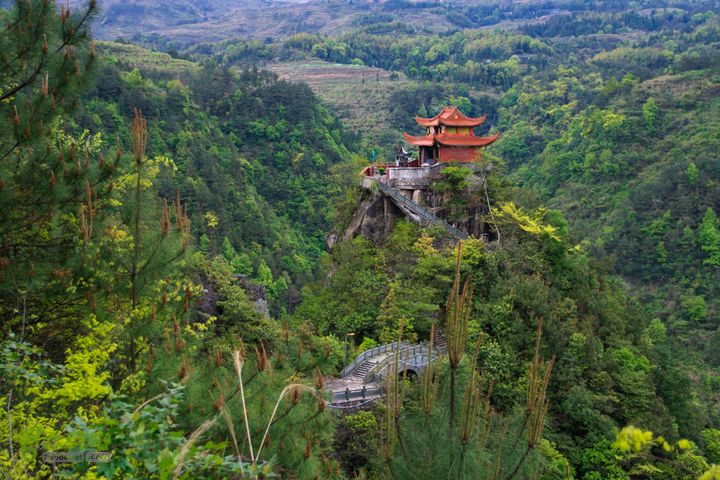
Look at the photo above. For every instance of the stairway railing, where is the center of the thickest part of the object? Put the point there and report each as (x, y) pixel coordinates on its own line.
(351, 394)
(368, 354)
(421, 212)
(417, 356)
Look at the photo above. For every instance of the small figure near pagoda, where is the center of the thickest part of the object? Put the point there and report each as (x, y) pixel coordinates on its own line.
(403, 158)
(450, 137)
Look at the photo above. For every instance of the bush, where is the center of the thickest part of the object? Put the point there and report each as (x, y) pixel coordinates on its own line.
(356, 440)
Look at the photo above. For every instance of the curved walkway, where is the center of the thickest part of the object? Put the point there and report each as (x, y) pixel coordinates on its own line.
(364, 378)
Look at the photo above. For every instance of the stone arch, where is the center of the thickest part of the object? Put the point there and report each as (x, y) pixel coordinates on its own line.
(409, 373)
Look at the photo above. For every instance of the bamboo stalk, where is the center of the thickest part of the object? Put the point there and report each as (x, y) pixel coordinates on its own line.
(239, 361)
(292, 386)
(190, 442)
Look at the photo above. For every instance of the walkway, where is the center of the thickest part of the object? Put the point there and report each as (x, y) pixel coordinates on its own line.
(420, 214)
(363, 380)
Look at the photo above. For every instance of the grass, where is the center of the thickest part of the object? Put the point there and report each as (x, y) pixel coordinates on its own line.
(145, 60)
(359, 95)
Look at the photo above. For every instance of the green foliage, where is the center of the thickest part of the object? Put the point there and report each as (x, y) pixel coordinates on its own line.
(478, 444)
(601, 462)
(692, 173)
(94, 286)
(558, 467)
(204, 243)
(709, 237)
(275, 207)
(403, 301)
(455, 179)
(366, 344)
(695, 307)
(711, 437)
(104, 288)
(47, 178)
(600, 140)
(356, 441)
(237, 317)
(650, 114)
(602, 377)
(147, 442)
(676, 461)
(350, 301)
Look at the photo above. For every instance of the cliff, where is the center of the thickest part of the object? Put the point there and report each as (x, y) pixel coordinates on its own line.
(453, 200)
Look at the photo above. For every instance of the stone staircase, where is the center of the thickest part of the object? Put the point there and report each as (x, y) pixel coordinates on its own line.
(360, 372)
(440, 341)
(422, 215)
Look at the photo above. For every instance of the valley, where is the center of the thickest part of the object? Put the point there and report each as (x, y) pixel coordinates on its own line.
(394, 239)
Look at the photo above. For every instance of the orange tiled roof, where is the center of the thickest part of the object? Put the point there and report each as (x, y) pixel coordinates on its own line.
(452, 117)
(465, 140)
(422, 141)
(450, 140)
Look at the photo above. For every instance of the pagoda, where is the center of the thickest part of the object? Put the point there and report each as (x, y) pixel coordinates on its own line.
(450, 137)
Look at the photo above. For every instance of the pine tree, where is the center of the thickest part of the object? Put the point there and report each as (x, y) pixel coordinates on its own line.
(158, 236)
(418, 442)
(46, 58)
(50, 182)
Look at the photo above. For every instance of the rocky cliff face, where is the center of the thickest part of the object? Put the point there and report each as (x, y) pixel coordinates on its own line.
(208, 302)
(374, 217)
(464, 208)
(256, 294)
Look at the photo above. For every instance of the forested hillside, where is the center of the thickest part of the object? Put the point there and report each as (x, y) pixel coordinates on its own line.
(136, 191)
(611, 118)
(252, 156)
(151, 202)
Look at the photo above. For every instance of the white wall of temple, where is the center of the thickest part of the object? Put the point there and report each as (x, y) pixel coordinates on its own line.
(409, 173)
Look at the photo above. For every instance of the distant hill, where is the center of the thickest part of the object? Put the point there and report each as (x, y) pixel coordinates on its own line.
(185, 22)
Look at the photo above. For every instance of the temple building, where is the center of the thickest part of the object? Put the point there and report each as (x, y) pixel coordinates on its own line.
(403, 187)
(450, 137)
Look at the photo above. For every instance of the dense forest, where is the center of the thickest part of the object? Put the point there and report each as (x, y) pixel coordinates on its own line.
(168, 294)
(250, 154)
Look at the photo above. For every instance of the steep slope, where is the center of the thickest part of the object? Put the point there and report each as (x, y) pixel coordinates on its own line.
(255, 155)
(602, 340)
(635, 171)
(187, 23)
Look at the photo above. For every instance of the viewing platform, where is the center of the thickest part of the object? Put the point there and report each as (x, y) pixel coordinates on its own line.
(401, 178)
(403, 187)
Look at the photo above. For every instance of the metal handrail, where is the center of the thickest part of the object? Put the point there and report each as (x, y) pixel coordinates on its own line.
(424, 362)
(405, 354)
(421, 212)
(357, 393)
(417, 355)
(373, 352)
(377, 368)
